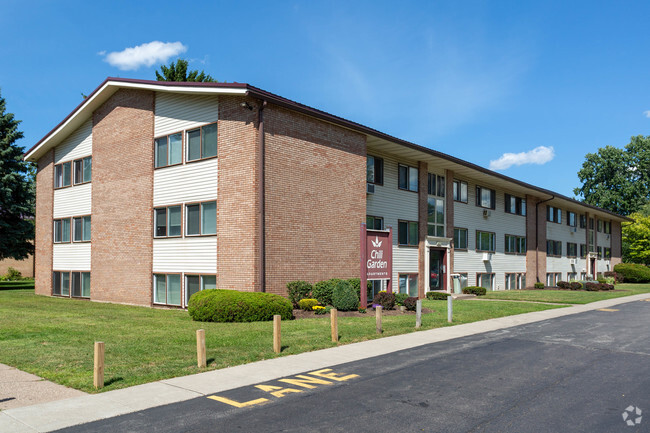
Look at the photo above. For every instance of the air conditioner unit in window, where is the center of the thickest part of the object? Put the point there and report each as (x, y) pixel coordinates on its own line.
(370, 188)
(573, 262)
(486, 213)
(487, 257)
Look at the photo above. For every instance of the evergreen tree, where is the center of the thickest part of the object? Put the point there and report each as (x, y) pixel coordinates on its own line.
(16, 192)
(178, 72)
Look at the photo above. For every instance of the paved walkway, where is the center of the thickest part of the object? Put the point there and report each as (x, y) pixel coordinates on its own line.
(55, 415)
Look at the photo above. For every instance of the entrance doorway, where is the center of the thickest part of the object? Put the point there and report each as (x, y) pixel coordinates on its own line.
(437, 276)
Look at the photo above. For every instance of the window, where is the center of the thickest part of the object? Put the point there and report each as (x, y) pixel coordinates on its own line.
(599, 252)
(484, 241)
(460, 191)
(167, 289)
(408, 178)
(167, 221)
(61, 283)
(460, 239)
(600, 226)
(81, 284)
(515, 244)
(62, 230)
(608, 253)
(407, 233)
(583, 251)
(62, 175)
(591, 223)
(202, 142)
(196, 283)
(374, 223)
(436, 185)
(485, 280)
(408, 283)
(554, 248)
(515, 205)
(435, 216)
(571, 276)
(591, 241)
(201, 218)
(83, 170)
(375, 170)
(571, 218)
(583, 221)
(552, 278)
(75, 284)
(515, 281)
(553, 214)
(81, 229)
(607, 227)
(168, 150)
(571, 249)
(485, 197)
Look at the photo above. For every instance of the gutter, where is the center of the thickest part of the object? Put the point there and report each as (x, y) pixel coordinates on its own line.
(261, 190)
(537, 236)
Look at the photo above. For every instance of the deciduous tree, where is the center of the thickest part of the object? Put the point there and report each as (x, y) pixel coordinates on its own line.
(636, 239)
(177, 71)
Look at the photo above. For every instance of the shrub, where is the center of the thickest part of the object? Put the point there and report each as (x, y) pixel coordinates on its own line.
(215, 305)
(597, 287)
(618, 278)
(344, 296)
(298, 290)
(575, 285)
(400, 297)
(307, 304)
(356, 284)
(13, 274)
(633, 273)
(563, 285)
(539, 285)
(438, 296)
(385, 299)
(319, 309)
(411, 303)
(474, 290)
(323, 290)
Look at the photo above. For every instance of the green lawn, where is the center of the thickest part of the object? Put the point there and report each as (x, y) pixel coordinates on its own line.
(54, 338)
(569, 296)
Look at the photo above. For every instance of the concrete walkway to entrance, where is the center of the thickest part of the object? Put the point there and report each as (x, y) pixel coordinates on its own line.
(55, 415)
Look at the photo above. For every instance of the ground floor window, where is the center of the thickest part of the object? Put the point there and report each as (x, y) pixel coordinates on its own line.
(515, 281)
(196, 283)
(167, 289)
(485, 280)
(408, 283)
(67, 283)
(583, 276)
(571, 276)
(552, 278)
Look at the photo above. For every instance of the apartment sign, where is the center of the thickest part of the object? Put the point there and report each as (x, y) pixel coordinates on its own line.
(378, 255)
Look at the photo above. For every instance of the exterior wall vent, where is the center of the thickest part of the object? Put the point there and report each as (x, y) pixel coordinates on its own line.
(486, 213)
(370, 188)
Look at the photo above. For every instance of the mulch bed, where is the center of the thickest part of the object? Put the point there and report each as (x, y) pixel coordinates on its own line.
(301, 314)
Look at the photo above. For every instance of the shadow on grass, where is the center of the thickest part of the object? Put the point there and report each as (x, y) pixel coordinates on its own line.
(112, 380)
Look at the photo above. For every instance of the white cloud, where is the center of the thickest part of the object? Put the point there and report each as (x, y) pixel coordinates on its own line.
(540, 155)
(647, 113)
(143, 55)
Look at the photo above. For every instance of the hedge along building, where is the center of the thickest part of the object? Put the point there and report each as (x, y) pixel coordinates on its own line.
(149, 191)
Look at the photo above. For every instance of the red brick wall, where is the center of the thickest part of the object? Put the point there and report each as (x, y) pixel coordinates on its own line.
(238, 217)
(616, 244)
(315, 199)
(25, 267)
(536, 253)
(122, 197)
(423, 185)
(43, 222)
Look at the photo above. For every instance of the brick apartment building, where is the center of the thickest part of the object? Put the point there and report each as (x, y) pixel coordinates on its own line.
(150, 191)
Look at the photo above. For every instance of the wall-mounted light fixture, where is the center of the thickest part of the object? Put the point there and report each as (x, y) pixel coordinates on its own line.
(246, 105)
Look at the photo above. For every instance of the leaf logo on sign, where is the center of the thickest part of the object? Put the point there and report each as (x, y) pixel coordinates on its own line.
(376, 243)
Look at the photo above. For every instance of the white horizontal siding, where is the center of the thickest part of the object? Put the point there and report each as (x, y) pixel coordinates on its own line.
(196, 181)
(177, 112)
(185, 255)
(603, 240)
(71, 257)
(405, 261)
(77, 145)
(72, 201)
(471, 262)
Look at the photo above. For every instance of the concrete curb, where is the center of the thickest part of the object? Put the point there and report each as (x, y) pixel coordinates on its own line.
(51, 416)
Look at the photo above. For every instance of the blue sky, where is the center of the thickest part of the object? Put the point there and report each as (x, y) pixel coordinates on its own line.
(474, 79)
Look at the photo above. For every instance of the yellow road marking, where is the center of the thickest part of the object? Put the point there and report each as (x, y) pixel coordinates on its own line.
(236, 403)
(332, 375)
(647, 300)
(306, 381)
(607, 309)
(276, 391)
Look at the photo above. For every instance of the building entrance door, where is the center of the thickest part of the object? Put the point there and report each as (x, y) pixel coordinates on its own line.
(437, 276)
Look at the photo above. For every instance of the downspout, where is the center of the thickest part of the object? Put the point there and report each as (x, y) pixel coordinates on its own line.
(537, 236)
(261, 196)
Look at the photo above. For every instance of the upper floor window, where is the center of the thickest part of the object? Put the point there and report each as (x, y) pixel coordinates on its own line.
(436, 185)
(571, 218)
(62, 174)
(485, 241)
(374, 223)
(515, 205)
(168, 150)
(81, 229)
(435, 216)
(460, 191)
(374, 170)
(167, 221)
(583, 221)
(554, 248)
(553, 214)
(460, 239)
(408, 178)
(62, 230)
(571, 249)
(607, 227)
(599, 252)
(202, 142)
(83, 170)
(485, 197)
(407, 233)
(515, 244)
(583, 250)
(600, 226)
(201, 218)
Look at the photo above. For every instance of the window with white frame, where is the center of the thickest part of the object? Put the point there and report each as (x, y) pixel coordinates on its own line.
(515, 205)
(83, 170)
(435, 216)
(552, 278)
(201, 142)
(196, 283)
(374, 223)
(374, 170)
(168, 150)
(485, 280)
(167, 289)
(571, 276)
(407, 178)
(460, 238)
(167, 221)
(408, 283)
(201, 218)
(515, 244)
(485, 241)
(485, 197)
(515, 281)
(460, 191)
(81, 229)
(63, 175)
(61, 230)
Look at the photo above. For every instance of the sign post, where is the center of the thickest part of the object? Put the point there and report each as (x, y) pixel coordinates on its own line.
(376, 259)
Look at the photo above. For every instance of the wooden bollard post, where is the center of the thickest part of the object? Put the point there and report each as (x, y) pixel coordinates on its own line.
(276, 333)
(98, 371)
(200, 348)
(335, 324)
(418, 314)
(450, 309)
(378, 318)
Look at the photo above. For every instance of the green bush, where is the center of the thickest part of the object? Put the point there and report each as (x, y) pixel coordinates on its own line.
(323, 290)
(633, 273)
(400, 297)
(356, 284)
(298, 290)
(385, 299)
(474, 290)
(617, 277)
(411, 303)
(307, 304)
(575, 285)
(564, 285)
(344, 297)
(438, 296)
(598, 287)
(215, 305)
(13, 275)
(539, 285)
